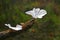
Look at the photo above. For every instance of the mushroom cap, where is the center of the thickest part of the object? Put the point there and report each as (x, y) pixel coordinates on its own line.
(17, 28)
(37, 13)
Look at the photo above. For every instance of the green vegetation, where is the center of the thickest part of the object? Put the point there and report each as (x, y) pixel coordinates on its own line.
(47, 28)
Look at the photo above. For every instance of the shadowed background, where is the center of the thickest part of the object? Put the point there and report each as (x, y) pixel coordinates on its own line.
(47, 28)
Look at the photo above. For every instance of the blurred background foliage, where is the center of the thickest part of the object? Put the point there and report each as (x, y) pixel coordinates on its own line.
(47, 28)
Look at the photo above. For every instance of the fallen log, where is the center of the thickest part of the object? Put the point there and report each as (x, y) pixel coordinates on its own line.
(24, 26)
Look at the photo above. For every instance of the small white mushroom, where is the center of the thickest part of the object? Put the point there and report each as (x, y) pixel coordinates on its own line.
(37, 13)
(17, 28)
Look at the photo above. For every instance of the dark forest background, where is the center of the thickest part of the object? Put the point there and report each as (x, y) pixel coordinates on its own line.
(47, 28)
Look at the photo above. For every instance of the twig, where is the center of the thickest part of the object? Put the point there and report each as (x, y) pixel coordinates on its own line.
(24, 26)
